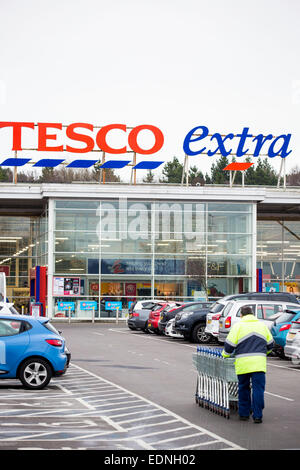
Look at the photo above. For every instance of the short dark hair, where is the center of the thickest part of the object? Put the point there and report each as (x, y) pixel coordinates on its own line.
(246, 310)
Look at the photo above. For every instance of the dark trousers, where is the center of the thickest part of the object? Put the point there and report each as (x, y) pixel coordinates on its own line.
(254, 403)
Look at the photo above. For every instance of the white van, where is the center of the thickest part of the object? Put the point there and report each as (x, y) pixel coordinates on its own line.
(267, 311)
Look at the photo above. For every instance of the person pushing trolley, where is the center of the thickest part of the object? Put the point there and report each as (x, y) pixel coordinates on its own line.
(249, 341)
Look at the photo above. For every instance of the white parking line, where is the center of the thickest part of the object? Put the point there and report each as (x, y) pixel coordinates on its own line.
(164, 411)
(151, 338)
(178, 437)
(195, 347)
(283, 367)
(279, 396)
(202, 444)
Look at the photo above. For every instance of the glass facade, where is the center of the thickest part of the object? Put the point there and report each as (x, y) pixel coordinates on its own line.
(105, 254)
(119, 251)
(278, 254)
(23, 245)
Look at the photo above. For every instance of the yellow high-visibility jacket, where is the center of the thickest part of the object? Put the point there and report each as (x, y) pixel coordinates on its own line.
(249, 341)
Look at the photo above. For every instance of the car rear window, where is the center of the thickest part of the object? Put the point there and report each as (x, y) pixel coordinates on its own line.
(149, 304)
(50, 327)
(285, 318)
(227, 308)
(293, 307)
(157, 307)
(217, 307)
(13, 310)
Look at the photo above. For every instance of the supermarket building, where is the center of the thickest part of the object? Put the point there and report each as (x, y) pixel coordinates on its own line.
(83, 250)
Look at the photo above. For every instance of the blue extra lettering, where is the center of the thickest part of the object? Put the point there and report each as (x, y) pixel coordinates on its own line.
(283, 149)
(188, 139)
(243, 136)
(260, 142)
(221, 145)
(242, 149)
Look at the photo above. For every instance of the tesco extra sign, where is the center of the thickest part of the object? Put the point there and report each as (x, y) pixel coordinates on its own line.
(47, 133)
(197, 141)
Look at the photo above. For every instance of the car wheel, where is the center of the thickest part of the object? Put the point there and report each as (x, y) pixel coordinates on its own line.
(145, 329)
(199, 335)
(35, 373)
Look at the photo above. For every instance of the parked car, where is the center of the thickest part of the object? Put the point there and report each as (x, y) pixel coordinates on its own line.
(154, 317)
(278, 296)
(8, 309)
(139, 314)
(267, 311)
(191, 324)
(280, 330)
(170, 330)
(170, 312)
(214, 315)
(292, 346)
(31, 350)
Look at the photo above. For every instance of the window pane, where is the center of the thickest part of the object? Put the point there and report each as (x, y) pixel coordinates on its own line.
(9, 327)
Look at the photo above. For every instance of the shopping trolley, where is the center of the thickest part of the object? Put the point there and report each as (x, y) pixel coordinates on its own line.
(217, 382)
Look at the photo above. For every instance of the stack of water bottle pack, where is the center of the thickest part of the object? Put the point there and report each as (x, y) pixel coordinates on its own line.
(217, 383)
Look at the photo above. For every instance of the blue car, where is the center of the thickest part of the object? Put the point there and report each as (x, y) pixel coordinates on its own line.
(281, 328)
(31, 350)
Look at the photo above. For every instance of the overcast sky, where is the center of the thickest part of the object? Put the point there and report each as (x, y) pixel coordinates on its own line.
(174, 64)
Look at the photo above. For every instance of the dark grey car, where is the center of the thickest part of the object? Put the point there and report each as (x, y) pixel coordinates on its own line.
(139, 314)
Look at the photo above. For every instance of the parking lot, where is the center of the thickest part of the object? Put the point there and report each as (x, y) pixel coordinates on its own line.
(83, 411)
(129, 390)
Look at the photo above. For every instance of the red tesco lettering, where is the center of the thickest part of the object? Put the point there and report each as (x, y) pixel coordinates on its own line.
(49, 132)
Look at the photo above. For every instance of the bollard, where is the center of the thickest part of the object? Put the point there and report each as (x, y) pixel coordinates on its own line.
(93, 315)
(117, 315)
(69, 314)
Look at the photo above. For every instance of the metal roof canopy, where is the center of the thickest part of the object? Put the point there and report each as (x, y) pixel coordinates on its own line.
(31, 199)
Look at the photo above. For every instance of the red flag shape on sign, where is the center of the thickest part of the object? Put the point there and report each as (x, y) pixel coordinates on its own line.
(236, 166)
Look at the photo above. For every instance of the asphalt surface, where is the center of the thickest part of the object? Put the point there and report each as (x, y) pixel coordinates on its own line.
(129, 390)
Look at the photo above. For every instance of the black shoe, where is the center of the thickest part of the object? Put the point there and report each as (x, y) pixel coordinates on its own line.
(244, 418)
(257, 420)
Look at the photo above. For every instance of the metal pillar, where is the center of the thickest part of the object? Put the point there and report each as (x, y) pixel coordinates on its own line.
(51, 266)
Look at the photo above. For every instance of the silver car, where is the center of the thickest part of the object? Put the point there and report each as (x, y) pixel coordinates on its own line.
(213, 317)
(266, 311)
(292, 345)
